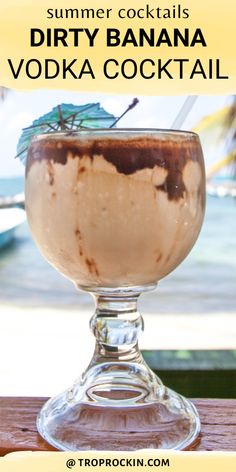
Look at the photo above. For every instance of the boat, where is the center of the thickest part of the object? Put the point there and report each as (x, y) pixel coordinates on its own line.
(225, 188)
(10, 220)
(221, 178)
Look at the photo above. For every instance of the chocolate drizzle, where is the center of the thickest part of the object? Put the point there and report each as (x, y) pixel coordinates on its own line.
(128, 155)
(173, 185)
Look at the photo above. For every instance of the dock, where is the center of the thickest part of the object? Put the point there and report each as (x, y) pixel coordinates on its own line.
(17, 200)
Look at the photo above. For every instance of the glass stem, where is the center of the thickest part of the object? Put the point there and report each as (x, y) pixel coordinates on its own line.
(116, 325)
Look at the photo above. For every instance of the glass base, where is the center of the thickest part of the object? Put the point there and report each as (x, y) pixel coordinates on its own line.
(170, 422)
(119, 403)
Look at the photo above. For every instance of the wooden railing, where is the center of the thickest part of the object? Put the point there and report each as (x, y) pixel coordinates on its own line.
(18, 430)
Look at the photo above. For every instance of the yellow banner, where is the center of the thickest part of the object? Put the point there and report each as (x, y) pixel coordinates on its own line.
(134, 46)
(120, 461)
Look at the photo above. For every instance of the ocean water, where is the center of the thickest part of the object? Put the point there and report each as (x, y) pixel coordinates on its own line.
(204, 283)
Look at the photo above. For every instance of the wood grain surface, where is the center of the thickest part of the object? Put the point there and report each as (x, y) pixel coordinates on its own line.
(18, 429)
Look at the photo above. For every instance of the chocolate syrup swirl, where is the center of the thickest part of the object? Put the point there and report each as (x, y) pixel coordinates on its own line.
(127, 155)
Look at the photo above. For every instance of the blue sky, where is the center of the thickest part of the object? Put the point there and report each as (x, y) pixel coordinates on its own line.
(21, 108)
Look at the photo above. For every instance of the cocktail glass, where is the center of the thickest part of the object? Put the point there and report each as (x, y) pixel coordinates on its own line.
(115, 211)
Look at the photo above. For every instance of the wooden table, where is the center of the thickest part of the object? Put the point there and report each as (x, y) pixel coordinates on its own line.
(18, 430)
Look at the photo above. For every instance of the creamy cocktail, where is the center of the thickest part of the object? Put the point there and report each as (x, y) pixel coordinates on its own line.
(112, 211)
(115, 211)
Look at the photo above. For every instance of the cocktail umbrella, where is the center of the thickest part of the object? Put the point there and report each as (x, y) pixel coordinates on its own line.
(67, 118)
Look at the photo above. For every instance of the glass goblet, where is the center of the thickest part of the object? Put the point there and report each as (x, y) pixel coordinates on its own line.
(115, 211)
